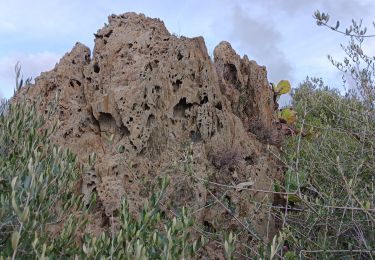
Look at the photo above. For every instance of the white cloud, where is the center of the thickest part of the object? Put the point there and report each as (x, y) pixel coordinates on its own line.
(32, 65)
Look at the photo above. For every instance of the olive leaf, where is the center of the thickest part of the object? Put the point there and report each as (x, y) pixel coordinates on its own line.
(294, 198)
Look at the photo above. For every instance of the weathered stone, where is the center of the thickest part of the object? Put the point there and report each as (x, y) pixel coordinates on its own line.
(147, 102)
(246, 86)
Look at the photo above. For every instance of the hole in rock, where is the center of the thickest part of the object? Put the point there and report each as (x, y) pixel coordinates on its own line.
(195, 136)
(179, 56)
(96, 68)
(134, 147)
(148, 67)
(106, 121)
(143, 151)
(150, 120)
(219, 125)
(249, 160)
(219, 106)
(108, 33)
(208, 227)
(230, 73)
(124, 130)
(91, 184)
(176, 85)
(180, 108)
(204, 100)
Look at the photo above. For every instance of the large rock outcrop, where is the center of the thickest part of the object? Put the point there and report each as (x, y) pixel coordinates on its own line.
(152, 104)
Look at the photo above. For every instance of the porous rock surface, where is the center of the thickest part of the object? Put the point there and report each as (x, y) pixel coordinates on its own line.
(152, 104)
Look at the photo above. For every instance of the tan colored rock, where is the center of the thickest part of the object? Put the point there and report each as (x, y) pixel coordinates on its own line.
(152, 104)
(245, 83)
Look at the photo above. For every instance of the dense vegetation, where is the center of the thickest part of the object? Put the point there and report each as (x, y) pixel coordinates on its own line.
(331, 160)
(329, 183)
(331, 166)
(41, 215)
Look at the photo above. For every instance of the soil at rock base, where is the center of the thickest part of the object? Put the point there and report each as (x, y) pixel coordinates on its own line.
(145, 102)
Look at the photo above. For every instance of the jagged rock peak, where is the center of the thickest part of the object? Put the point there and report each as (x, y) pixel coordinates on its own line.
(145, 100)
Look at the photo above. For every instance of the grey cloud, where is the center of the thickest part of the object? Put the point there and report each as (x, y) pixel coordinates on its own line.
(260, 41)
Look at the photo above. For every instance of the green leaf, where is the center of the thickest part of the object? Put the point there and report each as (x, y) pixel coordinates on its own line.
(293, 198)
(13, 183)
(14, 204)
(283, 87)
(292, 179)
(288, 114)
(290, 256)
(25, 214)
(15, 239)
(367, 205)
(337, 25)
(121, 149)
(276, 187)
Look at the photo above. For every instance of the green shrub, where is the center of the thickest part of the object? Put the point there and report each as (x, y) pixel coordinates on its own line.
(332, 170)
(331, 163)
(142, 238)
(42, 217)
(36, 183)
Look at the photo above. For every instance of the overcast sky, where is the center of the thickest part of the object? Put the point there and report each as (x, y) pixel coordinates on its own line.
(280, 34)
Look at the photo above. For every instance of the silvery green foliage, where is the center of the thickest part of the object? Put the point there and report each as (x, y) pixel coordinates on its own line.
(150, 236)
(4, 104)
(19, 79)
(331, 161)
(358, 67)
(36, 183)
(331, 169)
(41, 217)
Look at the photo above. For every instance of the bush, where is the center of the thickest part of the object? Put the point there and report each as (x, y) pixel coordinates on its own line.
(37, 180)
(42, 217)
(331, 163)
(332, 171)
(142, 238)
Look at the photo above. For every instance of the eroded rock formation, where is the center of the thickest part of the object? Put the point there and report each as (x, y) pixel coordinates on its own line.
(147, 102)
